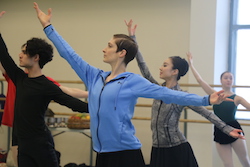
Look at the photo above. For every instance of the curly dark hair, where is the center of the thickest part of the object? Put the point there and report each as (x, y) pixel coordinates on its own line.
(38, 46)
(127, 43)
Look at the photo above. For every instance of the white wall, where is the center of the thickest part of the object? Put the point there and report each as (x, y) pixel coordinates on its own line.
(165, 28)
(202, 42)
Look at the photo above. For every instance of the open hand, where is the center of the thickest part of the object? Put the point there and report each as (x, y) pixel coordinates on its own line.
(219, 97)
(131, 31)
(43, 18)
(237, 133)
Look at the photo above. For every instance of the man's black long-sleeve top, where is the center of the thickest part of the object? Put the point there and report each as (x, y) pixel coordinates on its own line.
(33, 96)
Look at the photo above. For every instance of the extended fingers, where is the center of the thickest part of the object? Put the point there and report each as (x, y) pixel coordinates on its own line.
(224, 97)
(2, 13)
(219, 92)
(129, 24)
(135, 26)
(49, 11)
(37, 8)
(36, 5)
(241, 136)
(189, 55)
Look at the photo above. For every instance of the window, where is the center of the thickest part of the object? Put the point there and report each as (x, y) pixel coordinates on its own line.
(239, 53)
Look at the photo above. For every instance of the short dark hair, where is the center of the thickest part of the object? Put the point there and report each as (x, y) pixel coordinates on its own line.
(180, 64)
(38, 46)
(127, 43)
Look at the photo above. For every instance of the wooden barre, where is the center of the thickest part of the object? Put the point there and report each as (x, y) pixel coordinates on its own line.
(186, 120)
(212, 85)
(181, 84)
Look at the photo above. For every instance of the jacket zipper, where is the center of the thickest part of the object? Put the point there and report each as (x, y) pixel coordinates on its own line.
(98, 116)
(159, 109)
(167, 126)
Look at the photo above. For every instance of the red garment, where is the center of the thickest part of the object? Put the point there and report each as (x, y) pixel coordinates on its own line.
(8, 114)
(56, 83)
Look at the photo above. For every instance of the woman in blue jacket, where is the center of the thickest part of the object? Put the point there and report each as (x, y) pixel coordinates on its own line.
(113, 95)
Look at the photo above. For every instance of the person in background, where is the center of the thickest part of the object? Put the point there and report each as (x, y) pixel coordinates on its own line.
(113, 95)
(226, 112)
(33, 94)
(170, 147)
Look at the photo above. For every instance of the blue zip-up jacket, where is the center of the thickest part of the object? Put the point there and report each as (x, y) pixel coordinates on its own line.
(111, 104)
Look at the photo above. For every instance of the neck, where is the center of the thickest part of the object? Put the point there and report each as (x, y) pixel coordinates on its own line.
(171, 82)
(227, 90)
(116, 70)
(34, 72)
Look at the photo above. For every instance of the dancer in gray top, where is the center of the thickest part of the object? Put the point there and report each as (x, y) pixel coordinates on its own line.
(170, 147)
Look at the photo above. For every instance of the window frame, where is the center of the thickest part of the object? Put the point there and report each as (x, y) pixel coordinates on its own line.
(232, 56)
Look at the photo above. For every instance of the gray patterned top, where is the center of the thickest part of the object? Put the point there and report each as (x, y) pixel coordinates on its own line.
(165, 117)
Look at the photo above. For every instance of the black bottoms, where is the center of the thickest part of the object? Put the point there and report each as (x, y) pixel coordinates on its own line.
(14, 139)
(223, 138)
(37, 152)
(128, 158)
(177, 156)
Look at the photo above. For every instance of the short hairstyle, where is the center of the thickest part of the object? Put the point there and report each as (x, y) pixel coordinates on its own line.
(38, 46)
(180, 64)
(127, 43)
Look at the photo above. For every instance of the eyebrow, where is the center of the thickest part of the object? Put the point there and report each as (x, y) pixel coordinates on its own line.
(111, 44)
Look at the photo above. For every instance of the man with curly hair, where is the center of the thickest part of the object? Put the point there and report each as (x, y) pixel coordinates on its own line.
(33, 95)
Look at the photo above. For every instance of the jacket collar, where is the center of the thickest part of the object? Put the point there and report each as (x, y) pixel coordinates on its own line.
(104, 75)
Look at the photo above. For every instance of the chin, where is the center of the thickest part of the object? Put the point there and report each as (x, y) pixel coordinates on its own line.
(21, 65)
(104, 61)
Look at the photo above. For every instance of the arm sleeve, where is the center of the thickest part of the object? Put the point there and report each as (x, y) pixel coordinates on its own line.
(8, 63)
(143, 66)
(82, 68)
(62, 98)
(212, 118)
(146, 89)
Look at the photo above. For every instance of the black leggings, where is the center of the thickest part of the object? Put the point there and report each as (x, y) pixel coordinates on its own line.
(37, 152)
